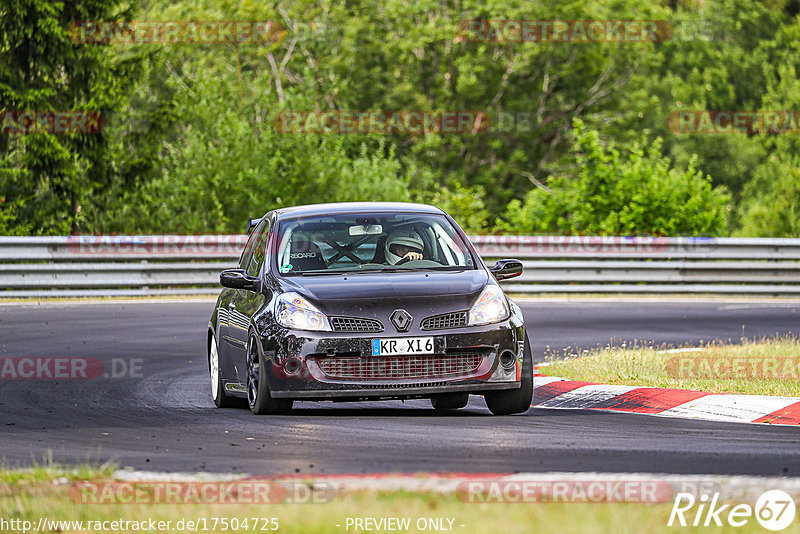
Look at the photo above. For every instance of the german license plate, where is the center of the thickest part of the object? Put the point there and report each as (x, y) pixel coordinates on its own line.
(402, 345)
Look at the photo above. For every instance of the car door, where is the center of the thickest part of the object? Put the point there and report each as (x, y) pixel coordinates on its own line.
(245, 303)
(228, 341)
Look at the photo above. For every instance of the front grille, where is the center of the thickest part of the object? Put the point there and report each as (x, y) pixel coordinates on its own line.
(355, 324)
(444, 321)
(452, 365)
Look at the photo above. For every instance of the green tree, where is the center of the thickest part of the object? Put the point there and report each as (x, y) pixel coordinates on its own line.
(771, 198)
(401, 55)
(197, 152)
(711, 64)
(50, 177)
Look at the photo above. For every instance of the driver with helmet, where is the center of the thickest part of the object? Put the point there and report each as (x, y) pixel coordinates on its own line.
(403, 244)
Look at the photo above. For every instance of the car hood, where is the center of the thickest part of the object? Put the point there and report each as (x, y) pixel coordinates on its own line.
(372, 294)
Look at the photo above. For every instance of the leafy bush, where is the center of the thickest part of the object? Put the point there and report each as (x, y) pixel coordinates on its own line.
(464, 204)
(228, 163)
(8, 220)
(771, 202)
(612, 194)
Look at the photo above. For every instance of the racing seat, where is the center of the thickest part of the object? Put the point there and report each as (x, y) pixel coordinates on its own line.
(380, 250)
(305, 255)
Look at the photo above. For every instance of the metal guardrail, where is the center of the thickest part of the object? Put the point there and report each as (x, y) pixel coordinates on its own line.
(175, 265)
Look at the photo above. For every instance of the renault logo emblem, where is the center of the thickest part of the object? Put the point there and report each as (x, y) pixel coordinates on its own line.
(401, 320)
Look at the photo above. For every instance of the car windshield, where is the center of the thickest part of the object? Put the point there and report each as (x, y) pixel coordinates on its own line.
(361, 242)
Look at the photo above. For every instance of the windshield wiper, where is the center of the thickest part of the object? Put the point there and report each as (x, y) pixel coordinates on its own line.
(315, 273)
(443, 269)
(387, 269)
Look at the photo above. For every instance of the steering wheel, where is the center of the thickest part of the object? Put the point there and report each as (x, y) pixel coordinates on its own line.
(402, 261)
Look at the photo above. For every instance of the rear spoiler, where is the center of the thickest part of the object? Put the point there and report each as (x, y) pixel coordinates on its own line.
(251, 223)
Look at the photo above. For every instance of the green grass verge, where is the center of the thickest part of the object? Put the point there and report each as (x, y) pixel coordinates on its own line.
(757, 367)
(19, 478)
(31, 495)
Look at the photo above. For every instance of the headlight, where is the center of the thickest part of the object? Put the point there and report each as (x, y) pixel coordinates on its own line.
(293, 311)
(490, 307)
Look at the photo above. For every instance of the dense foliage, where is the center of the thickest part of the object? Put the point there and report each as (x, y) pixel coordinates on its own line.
(615, 195)
(579, 140)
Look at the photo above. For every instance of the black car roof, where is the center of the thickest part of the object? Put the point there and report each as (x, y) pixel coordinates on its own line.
(356, 207)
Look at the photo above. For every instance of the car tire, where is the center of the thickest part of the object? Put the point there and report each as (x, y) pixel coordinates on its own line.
(449, 401)
(258, 395)
(515, 400)
(221, 399)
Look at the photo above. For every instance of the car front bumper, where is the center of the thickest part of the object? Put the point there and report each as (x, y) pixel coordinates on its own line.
(340, 366)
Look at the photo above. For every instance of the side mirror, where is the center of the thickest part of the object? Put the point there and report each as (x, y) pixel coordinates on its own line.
(238, 279)
(505, 269)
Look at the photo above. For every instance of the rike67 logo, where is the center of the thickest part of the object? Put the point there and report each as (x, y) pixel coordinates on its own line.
(774, 510)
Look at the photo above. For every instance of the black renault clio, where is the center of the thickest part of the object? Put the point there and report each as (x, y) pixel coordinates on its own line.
(366, 301)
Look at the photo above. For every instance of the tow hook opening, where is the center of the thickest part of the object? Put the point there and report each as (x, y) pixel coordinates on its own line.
(292, 366)
(507, 361)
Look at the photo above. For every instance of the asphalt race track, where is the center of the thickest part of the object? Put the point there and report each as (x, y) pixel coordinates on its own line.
(164, 420)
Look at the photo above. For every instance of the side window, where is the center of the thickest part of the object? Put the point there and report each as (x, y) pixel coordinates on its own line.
(244, 259)
(248, 249)
(259, 251)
